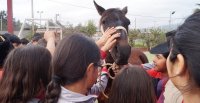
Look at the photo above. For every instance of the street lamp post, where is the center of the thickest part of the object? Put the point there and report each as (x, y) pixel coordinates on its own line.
(170, 18)
(32, 15)
(56, 17)
(40, 12)
(1, 22)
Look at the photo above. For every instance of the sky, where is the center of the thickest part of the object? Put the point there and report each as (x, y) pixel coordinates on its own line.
(146, 13)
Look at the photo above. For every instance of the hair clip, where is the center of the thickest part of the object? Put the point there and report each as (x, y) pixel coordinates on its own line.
(2, 38)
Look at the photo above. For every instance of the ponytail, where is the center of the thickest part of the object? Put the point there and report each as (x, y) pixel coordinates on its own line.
(53, 90)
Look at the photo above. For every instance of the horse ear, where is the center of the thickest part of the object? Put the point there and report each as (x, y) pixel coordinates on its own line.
(125, 10)
(99, 8)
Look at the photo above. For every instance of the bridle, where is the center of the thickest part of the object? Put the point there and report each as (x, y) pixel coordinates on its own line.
(113, 66)
(117, 28)
(115, 69)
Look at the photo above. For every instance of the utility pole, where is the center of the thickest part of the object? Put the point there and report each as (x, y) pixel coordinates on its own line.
(1, 22)
(135, 23)
(32, 16)
(56, 17)
(40, 12)
(10, 16)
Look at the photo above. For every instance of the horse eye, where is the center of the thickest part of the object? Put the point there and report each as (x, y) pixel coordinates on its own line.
(103, 22)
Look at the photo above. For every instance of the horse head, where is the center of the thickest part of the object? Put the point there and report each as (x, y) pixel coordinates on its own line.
(115, 17)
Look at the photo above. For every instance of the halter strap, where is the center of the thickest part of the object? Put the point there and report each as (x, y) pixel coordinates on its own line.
(117, 27)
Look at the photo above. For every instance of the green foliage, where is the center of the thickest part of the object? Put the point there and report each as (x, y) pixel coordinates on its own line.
(69, 29)
(146, 38)
(139, 43)
(29, 35)
(3, 16)
(133, 35)
(78, 28)
(153, 37)
(158, 36)
(89, 29)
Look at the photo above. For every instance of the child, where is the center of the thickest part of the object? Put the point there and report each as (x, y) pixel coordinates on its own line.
(76, 64)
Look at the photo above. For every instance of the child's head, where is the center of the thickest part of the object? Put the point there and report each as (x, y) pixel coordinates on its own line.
(24, 41)
(36, 37)
(5, 47)
(76, 58)
(73, 56)
(160, 63)
(26, 72)
(132, 85)
(161, 52)
(184, 60)
(15, 40)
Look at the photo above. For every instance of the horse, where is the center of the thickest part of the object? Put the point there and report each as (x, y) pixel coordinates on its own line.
(122, 53)
(137, 57)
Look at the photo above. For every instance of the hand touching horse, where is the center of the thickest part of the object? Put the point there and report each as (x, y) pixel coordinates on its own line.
(122, 53)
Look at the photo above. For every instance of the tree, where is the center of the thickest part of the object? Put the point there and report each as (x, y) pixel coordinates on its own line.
(17, 25)
(78, 28)
(133, 35)
(90, 28)
(3, 16)
(158, 36)
(69, 29)
(153, 37)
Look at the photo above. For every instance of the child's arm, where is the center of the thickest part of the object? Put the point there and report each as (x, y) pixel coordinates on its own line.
(101, 84)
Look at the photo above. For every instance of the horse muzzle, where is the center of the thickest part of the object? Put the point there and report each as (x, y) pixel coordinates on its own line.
(120, 54)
